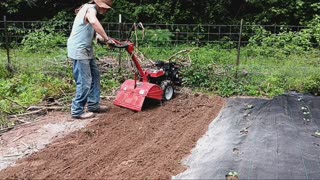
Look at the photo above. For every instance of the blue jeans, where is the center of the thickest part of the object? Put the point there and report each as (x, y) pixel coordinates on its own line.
(87, 77)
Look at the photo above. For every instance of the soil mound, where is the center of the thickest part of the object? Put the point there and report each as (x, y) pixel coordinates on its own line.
(122, 144)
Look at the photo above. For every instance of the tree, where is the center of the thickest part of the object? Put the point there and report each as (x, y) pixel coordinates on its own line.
(281, 11)
(179, 11)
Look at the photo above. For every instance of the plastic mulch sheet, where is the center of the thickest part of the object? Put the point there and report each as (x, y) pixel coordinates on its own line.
(260, 139)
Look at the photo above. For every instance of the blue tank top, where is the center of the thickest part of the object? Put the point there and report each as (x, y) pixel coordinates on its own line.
(79, 44)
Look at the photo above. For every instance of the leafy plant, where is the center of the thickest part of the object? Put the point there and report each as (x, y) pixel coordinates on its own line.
(43, 41)
(49, 37)
(156, 37)
(287, 41)
(4, 73)
(30, 88)
(314, 28)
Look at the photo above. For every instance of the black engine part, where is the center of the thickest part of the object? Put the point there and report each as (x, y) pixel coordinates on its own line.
(172, 73)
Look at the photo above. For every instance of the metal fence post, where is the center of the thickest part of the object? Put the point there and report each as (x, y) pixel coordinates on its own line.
(9, 65)
(119, 27)
(239, 46)
(120, 52)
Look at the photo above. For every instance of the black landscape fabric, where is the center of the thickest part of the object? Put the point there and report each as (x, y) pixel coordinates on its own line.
(261, 139)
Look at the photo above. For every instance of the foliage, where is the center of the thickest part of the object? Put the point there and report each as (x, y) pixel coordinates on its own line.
(14, 6)
(123, 7)
(281, 11)
(27, 89)
(314, 28)
(4, 123)
(49, 36)
(259, 74)
(180, 12)
(59, 22)
(43, 41)
(287, 41)
(111, 80)
(311, 84)
(4, 73)
(157, 37)
(213, 78)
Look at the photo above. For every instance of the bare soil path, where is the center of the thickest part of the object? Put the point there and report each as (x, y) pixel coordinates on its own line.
(122, 144)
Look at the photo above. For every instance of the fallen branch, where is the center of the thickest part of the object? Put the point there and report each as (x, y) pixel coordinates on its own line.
(108, 97)
(45, 108)
(27, 114)
(27, 146)
(62, 92)
(22, 121)
(55, 103)
(13, 155)
(142, 56)
(17, 138)
(187, 51)
(5, 130)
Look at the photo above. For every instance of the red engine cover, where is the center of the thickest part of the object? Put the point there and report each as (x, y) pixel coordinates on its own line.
(154, 73)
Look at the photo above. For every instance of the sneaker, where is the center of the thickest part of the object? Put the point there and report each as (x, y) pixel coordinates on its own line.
(85, 115)
(101, 109)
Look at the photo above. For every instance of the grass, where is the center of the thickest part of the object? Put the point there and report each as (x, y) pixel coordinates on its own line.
(281, 73)
(43, 74)
(258, 74)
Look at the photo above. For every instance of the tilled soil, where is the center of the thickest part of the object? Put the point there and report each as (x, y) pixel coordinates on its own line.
(123, 144)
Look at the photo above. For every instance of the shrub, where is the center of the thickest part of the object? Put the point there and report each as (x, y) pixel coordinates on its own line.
(314, 26)
(49, 36)
(156, 37)
(287, 41)
(30, 88)
(43, 41)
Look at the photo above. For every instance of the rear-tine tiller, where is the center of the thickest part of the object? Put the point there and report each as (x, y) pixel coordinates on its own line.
(157, 84)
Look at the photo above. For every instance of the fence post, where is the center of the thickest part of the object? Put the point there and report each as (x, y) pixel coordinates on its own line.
(9, 65)
(119, 26)
(239, 46)
(120, 52)
(198, 38)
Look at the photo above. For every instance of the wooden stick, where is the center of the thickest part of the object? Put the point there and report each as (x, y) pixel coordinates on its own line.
(25, 145)
(13, 155)
(26, 114)
(180, 52)
(17, 138)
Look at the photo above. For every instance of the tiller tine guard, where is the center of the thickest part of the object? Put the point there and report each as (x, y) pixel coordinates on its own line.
(132, 94)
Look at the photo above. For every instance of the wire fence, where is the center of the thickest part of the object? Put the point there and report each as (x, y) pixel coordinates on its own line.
(178, 33)
(229, 38)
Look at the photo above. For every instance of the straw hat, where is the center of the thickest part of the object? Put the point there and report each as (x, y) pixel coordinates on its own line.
(104, 3)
